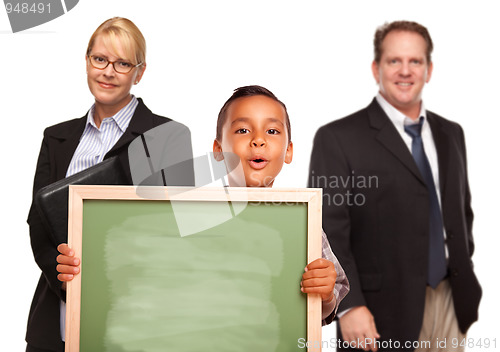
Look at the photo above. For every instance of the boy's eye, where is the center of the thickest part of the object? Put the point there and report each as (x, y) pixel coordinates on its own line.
(273, 131)
(241, 131)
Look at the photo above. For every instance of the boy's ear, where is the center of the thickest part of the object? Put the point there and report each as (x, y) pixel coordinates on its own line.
(289, 153)
(217, 148)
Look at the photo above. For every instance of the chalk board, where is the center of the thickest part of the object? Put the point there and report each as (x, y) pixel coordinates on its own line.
(192, 269)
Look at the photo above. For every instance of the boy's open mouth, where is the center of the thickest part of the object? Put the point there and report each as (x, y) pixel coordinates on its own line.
(258, 163)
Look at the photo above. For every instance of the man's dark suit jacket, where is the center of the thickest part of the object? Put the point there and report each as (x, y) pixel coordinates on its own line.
(381, 239)
(58, 146)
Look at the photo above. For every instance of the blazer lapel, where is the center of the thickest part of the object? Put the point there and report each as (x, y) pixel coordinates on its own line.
(390, 138)
(442, 142)
(141, 122)
(69, 137)
(69, 140)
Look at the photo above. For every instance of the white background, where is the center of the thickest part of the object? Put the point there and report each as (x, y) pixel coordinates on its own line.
(314, 55)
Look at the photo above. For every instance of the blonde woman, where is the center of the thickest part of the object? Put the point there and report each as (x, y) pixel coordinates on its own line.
(115, 61)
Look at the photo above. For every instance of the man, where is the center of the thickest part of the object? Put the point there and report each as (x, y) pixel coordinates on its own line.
(396, 207)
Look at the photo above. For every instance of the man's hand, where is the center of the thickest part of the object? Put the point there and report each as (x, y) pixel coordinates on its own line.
(68, 265)
(358, 326)
(319, 277)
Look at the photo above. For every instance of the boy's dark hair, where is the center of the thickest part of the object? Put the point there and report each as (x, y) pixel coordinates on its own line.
(249, 91)
(404, 26)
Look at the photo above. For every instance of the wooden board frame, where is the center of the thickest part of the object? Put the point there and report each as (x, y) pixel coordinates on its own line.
(78, 193)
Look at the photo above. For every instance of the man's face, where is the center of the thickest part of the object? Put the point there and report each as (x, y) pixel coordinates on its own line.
(403, 71)
(255, 131)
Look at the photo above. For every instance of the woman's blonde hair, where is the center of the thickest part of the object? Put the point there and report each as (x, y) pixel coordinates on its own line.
(123, 31)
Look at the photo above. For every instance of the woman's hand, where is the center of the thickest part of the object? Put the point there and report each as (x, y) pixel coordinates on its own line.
(68, 265)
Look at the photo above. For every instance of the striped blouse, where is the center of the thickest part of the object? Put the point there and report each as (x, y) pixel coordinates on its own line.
(96, 142)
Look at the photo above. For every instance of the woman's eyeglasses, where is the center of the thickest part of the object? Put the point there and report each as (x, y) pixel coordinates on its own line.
(120, 66)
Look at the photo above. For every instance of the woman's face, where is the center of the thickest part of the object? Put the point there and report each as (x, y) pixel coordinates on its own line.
(110, 88)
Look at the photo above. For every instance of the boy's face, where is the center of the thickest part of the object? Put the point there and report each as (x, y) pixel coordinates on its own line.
(255, 131)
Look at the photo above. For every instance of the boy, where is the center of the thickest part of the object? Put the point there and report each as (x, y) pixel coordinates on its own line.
(254, 125)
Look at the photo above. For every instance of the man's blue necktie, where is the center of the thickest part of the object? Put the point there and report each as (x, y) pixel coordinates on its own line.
(437, 259)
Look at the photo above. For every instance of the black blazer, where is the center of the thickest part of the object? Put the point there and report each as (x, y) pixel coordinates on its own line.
(376, 216)
(58, 146)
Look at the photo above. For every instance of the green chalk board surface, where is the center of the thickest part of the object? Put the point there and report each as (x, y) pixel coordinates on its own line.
(232, 287)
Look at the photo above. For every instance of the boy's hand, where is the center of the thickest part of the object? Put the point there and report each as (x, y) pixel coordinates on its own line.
(68, 265)
(319, 277)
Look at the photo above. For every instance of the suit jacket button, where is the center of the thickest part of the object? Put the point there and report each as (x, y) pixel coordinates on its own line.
(449, 235)
(454, 272)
